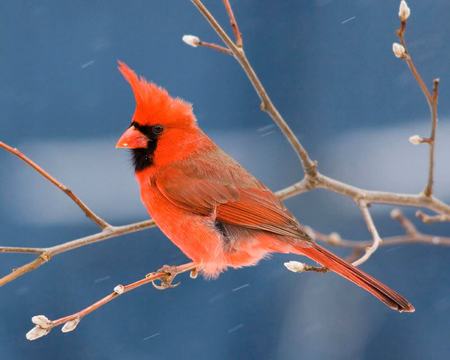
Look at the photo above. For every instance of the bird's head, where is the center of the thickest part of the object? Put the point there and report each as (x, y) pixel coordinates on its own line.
(157, 115)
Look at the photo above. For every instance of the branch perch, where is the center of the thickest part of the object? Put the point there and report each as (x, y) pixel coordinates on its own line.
(45, 254)
(88, 212)
(70, 322)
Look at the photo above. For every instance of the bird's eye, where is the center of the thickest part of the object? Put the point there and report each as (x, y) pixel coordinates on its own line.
(157, 129)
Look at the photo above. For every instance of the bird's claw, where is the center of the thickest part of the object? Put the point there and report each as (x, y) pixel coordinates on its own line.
(194, 273)
(164, 284)
(166, 280)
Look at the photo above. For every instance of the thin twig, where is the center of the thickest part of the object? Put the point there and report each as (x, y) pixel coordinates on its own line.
(407, 224)
(429, 219)
(381, 197)
(71, 321)
(409, 61)
(432, 100)
(215, 47)
(46, 254)
(233, 22)
(432, 139)
(309, 166)
(412, 236)
(359, 248)
(418, 238)
(369, 196)
(22, 270)
(21, 250)
(87, 211)
(373, 231)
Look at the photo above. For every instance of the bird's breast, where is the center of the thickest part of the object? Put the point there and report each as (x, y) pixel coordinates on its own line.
(195, 235)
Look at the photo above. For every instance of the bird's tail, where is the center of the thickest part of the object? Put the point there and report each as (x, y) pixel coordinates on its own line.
(332, 262)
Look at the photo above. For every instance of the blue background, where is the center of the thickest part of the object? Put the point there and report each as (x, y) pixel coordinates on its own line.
(329, 68)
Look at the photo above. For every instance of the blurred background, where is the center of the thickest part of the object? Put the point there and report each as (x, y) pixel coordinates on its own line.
(329, 68)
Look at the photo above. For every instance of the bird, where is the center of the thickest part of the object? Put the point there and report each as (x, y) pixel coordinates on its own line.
(215, 211)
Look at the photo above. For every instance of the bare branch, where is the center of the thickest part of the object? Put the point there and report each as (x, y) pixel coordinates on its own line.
(428, 219)
(418, 238)
(382, 197)
(20, 250)
(45, 254)
(432, 100)
(369, 196)
(215, 47)
(412, 236)
(373, 231)
(70, 322)
(432, 139)
(195, 41)
(234, 24)
(298, 188)
(309, 166)
(411, 65)
(88, 212)
(409, 227)
(22, 270)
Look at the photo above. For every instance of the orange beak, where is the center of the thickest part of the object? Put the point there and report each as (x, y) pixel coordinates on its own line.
(132, 139)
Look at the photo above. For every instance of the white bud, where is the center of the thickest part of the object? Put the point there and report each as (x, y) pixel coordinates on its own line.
(416, 140)
(191, 40)
(295, 266)
(404, 11)
(70, 325)
(398, 50)
(42, 321)
(36, 333)
(334, 238)
(436, 240)
(395, 213)
(119, 289)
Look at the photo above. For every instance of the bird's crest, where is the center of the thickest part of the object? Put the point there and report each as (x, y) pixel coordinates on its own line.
(154, 105)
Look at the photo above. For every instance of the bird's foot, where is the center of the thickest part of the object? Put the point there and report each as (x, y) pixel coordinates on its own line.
(166, 280)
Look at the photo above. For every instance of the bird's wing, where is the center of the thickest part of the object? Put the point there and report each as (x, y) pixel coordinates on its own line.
(224, 188)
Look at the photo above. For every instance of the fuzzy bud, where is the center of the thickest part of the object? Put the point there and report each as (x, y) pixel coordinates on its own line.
(41, 321)
(395, 213)
(416, 140)
(70, 325)
(36, 333)
(398, 50)
(404, 11)
(334, 238)
(191, 40)
(436, 240)
(119, 289)
(295, 266)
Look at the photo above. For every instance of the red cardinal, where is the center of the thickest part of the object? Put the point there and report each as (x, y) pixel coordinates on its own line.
(213, 209)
